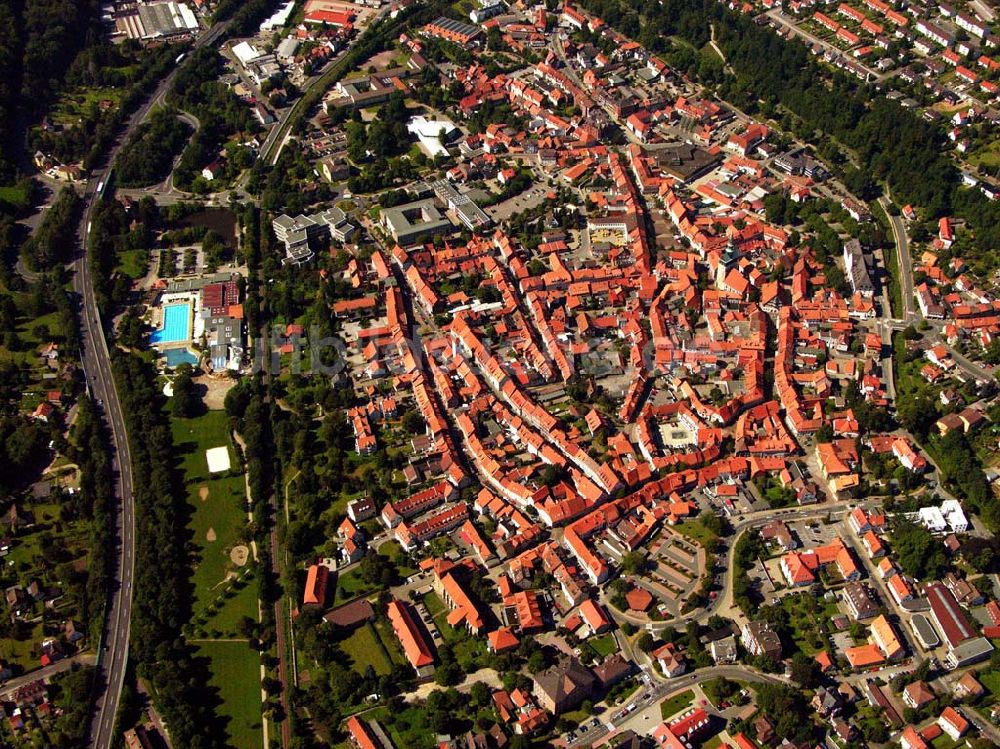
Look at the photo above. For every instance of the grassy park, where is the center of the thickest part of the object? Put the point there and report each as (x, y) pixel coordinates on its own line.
(675, 704)
(222, 592)
(235, 678)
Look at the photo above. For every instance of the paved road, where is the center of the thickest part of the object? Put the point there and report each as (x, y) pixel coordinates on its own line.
(970, 367)
(96, 361)
(87, 658)
(904, 262)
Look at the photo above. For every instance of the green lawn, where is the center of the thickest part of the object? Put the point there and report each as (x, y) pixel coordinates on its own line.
(235, 676)
(807, 620)
(351, 585)
(365, 649)
(19, 652)
(676, 704)
(944, 741)
(434, 604)
(392, 646)
(604, 645)
(990, 680)
(576, 716)
(13, 195)
(694, 530)
(239, 600)
(133, 263)
(439, 612)
(217, 519)
(392, 550)
(407, 728)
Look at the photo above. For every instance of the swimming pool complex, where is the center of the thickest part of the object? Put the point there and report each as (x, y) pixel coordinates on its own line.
(176, 319)
(174, 357)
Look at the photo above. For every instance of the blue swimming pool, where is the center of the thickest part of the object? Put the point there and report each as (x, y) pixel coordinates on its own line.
(177, 356)
(176, 318)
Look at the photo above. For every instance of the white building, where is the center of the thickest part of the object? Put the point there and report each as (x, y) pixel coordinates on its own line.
(949, 517)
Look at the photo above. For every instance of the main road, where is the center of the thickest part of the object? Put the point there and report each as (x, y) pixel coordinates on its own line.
(96, 360)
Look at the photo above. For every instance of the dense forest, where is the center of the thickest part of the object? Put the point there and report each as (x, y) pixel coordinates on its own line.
(893, 146)
(149, 154)
(54, 240)
(38, 42)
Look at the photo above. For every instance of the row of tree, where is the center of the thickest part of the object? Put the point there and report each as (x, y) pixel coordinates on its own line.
(162, 591)
(90, 453)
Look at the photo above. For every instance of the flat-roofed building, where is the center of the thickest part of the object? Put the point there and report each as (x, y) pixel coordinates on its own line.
(411, 222)
(924, 632)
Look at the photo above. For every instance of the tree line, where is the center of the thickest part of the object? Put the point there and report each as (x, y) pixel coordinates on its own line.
(90, 452)
(162, 590)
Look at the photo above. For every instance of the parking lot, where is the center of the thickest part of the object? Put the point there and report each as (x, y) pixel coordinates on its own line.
(530, 198)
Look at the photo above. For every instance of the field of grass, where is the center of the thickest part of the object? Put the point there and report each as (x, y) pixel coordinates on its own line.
(988, 156)
(19, 652)
(805, 623)
(944, 741)
(365, 648)
(990, 680)
(72, 105)
(694, 530)
(604, 645)
(390, 642)
(238, 600)
(439, 613)
(676, 704)
(891, 260)
(217, 519)
(14, 196)
(235, 674)
(351, 585)
(133, 263)
(408, 728)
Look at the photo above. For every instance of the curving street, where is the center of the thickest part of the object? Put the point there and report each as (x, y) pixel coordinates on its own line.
(650, 696)
(96, 360)
(723, 603)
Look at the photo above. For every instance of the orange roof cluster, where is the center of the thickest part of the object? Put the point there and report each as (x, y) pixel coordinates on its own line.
(410, 634)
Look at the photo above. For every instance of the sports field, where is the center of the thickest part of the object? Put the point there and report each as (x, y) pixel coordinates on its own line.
(235, 677)
(222, 594)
